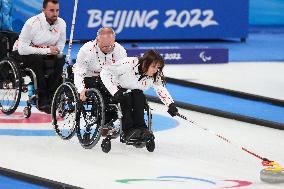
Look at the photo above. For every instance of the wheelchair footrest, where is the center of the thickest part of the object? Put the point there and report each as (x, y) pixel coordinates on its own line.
(138, 141)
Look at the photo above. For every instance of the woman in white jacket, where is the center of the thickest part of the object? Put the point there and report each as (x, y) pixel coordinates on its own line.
(137, 75)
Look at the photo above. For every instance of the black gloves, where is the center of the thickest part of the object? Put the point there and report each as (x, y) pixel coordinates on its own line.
(172, 110)
(118, 95)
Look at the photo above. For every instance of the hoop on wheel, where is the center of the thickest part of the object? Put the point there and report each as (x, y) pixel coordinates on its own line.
(10, 87)
(64, 109)
(90, 119)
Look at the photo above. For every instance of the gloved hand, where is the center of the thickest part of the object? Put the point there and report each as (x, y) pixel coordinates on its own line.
(118, 95)
(172, 110)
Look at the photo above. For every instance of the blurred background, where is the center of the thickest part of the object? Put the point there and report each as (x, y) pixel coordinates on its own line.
(223, 58)
(249, 13)
(185, 23)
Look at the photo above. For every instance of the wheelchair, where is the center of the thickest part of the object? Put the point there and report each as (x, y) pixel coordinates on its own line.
(67, 111)
(89, 129)
(13, 74)
(13, 84)
(89, 118)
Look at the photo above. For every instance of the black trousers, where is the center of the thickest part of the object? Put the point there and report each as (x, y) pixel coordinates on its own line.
(96, 82)
(38, 63)
(132, 106)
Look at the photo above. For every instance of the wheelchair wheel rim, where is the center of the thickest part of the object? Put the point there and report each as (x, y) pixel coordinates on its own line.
(64, 110)
(89, 131)
(10, 88)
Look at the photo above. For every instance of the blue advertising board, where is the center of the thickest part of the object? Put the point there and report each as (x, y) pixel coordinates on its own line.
(187, 55)
(159, 19)
(146, 19)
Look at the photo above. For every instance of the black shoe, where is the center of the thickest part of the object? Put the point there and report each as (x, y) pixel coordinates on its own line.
(45, 108)
(48, 110)
(6, 84)
(132, 134)
(146, 134)
(110, 116)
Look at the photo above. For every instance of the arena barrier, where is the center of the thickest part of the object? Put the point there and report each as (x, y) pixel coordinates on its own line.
(187, 55)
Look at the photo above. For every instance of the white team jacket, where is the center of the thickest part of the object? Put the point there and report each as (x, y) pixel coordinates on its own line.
(90, 60)
(125, 74)
(37, 34)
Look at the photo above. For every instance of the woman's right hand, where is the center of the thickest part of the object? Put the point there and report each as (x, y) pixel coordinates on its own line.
(83, 95)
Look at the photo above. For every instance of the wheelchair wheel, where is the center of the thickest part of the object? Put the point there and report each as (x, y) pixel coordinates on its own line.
(150, 145)
(90, 119)
(64, 109)
(27, 112)
(10, 86)
(106, 145)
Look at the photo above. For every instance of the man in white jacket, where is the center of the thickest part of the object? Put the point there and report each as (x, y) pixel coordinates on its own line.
(43, 34)
(137, 75)
(91, 57)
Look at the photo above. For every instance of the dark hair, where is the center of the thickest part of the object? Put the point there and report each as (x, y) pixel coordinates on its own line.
(147, 59)
(44, 4)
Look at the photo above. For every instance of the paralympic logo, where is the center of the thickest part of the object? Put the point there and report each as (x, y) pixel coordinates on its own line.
(230, 183)
(203, 57)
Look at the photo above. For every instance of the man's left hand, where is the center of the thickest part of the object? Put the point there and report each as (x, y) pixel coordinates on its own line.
(54, 50)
